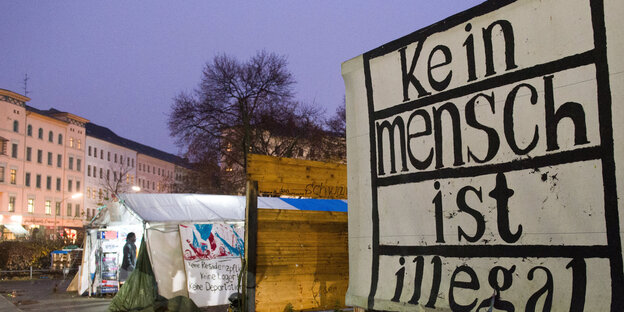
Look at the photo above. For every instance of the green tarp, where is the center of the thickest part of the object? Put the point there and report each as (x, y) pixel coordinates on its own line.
(140, 292)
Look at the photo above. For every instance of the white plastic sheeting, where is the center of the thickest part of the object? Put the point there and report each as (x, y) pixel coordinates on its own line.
(175, 208)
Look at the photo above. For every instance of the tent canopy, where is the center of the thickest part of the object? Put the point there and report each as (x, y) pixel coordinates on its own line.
(176, 208)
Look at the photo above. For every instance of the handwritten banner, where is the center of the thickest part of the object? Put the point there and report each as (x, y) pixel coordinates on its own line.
(212, 259)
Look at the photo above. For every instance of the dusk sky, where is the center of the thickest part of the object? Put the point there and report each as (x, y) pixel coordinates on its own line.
(120, 63)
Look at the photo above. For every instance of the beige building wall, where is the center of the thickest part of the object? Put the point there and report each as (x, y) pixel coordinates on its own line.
(12, 139)
(48, 166)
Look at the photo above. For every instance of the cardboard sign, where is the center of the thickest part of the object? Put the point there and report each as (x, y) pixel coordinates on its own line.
(483, 155)
(212, 259)
(278, 176)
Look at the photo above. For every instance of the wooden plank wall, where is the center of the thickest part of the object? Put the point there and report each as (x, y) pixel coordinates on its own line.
(302, 260)
(278, 176)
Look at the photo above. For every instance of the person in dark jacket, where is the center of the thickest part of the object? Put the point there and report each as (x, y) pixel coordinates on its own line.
(129, 257)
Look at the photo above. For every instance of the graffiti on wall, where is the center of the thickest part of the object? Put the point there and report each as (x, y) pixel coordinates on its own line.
(492, 167)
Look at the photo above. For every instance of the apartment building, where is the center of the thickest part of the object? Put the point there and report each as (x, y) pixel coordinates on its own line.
(111, 167)
(41, 168)
(57, 169)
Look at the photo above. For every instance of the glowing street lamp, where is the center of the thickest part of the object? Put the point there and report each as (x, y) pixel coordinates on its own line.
(72, 196)
(136, 188)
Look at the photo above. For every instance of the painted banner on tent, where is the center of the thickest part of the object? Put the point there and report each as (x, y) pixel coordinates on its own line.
(489, 172)
(212, 259)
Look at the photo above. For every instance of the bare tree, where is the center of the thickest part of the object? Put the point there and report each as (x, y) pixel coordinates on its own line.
(241, 108)
(116, 180)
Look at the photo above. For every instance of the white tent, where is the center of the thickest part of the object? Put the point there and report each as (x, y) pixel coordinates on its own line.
(157, 216)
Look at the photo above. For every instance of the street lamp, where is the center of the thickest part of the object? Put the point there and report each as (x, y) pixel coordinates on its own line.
(136, 188)
(73, 196)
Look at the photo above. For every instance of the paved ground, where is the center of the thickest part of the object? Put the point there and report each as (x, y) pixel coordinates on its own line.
(46, 295)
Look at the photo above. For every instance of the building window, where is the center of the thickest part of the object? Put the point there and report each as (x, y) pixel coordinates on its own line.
(69, 209)
(77, 210)
(79, 144)
(14, 150)
(2, 174)
(100, 194)
(39, 156)
(78, 164)
(15, 126)
(69, 185)
(13, 176)
(60, 139)
(101, 175)
(48, 207)
(28, 153)
(57, 209)
(78, 186)
(50, 137)
(3, 146)
(50, 158)
(11, 203)
(71, 142)
(40, 133)
(107, 174)
(59, 160)
(95, 152)
(115, 157)
(38, 181)
(48, 183)
(101, 154)
(121, 159)
(58, 184)
(31, 205)
(89, 149)
(29, 130)
(27, 179)
(108, 156)
(71, 163)
(88, 192)
(88, 170)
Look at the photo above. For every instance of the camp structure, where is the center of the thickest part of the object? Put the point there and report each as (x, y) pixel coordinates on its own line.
(162, 222)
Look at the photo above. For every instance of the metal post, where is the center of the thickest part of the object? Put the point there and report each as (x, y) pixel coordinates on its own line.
(31, 272)
(251, 234)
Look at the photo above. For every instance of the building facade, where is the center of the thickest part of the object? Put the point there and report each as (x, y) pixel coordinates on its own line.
(41, 168)
(57, 169)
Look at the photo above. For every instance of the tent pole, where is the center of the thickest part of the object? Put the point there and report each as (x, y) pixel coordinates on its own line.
(251, 234)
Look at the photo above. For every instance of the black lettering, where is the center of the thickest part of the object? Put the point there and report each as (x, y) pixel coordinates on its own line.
(408, 76)
(508, 120)
(397, 123)
(457, 138)
(400, 276)
(579, 284)
(435, 84)
(437, 201)
(463, 206)
(471, 119)
(546, 289)
(502, 194)
(415, 162)
(418, 279)
(509, 46)
(435, 286)
(571, 110)
(473, 284)
(493, 281)
(470, 56)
